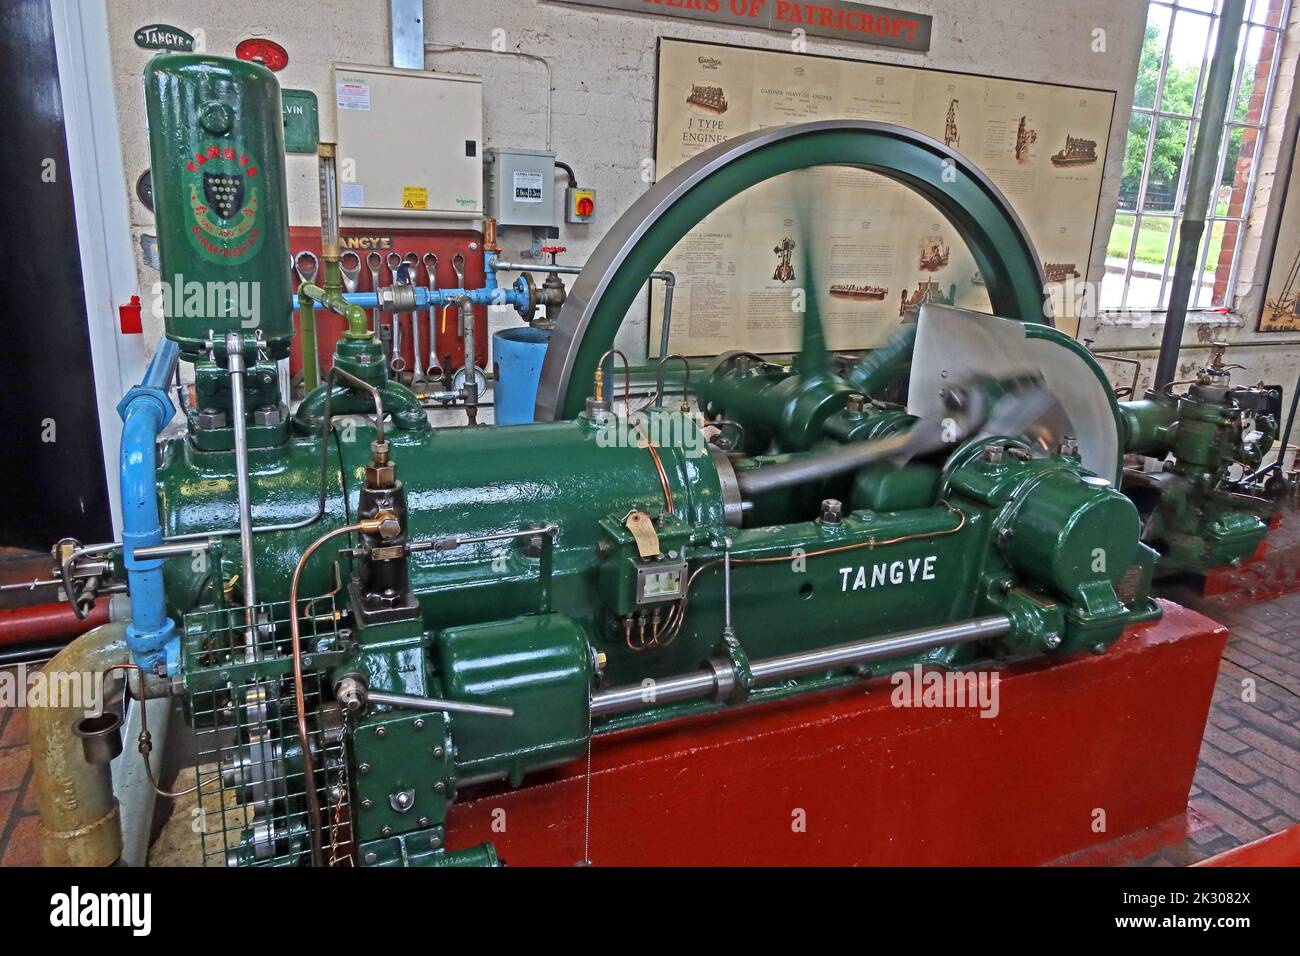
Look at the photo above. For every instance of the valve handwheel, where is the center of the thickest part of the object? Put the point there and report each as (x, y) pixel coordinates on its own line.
(553, 251)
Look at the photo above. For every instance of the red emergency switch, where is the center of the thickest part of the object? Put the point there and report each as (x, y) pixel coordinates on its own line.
(579, 204)
(131, 318)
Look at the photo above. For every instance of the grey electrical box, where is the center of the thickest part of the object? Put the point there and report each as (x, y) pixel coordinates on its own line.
(519, 186)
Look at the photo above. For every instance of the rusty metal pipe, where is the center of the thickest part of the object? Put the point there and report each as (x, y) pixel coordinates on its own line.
(46, 623)
(80, 820)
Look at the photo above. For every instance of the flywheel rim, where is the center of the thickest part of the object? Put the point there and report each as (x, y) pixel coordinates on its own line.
(638, 242)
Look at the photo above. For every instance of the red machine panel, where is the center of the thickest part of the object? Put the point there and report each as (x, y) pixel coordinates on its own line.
(445, 244)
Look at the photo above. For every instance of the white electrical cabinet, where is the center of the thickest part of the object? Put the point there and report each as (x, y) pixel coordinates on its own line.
(410, 143)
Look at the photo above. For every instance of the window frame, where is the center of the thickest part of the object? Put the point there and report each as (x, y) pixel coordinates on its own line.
(1154, 115)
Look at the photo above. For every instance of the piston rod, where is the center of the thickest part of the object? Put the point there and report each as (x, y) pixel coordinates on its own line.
(719, 675)
(235, 364)
(411, 702)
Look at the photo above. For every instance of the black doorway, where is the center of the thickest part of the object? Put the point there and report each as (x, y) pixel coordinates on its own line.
(54, 476)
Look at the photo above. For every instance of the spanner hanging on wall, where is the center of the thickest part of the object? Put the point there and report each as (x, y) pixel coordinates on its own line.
(398, 362)
(351, 273)
(375, 263)
(412, 262)
(431, 267)
(458, 267)
(307, 274)
(310, 342)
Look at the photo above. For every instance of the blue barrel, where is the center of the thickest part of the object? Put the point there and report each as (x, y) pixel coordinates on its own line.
(518, 355)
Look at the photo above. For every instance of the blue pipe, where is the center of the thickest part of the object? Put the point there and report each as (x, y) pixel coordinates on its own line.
(146, 409)
(491, 294)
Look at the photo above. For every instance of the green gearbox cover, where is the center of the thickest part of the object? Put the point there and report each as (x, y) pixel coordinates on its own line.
(537, 664)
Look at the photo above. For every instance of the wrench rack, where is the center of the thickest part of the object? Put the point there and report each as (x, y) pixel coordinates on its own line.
(443, 341)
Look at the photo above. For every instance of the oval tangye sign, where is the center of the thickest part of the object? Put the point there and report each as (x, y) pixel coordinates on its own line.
(160, 36)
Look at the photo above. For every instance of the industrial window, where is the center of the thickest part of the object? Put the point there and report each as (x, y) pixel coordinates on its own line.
(1167, 103)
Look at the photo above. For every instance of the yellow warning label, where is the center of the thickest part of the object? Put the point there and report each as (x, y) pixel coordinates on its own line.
(415, 197)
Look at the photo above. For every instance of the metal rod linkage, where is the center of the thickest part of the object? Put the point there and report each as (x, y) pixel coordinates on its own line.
(434, 704)
(708, 682)
(235, 364)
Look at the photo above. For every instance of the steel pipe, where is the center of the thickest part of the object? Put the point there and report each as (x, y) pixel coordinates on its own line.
(243, 491)
(434, 704)
(1203, 178)
(822, 465)
(719, 673)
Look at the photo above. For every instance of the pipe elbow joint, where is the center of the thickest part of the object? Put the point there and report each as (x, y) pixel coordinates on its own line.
(151, 636)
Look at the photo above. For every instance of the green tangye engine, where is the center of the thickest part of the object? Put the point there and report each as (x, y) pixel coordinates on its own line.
(367, 616)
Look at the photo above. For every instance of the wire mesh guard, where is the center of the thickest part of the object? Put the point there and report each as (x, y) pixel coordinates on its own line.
(250, 807)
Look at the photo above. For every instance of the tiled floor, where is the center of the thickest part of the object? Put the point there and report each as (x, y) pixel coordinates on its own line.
(19, 845)
(1247, 784)
(1248, 781)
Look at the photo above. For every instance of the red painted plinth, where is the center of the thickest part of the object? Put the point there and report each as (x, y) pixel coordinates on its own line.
(1277, 849)
(876, 784)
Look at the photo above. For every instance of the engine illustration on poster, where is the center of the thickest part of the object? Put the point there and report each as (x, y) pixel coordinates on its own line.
(784, 270)
(844, 290)
(1025, 137)
(1077, 152)
(935, 254)
(1280, 310)
(710, 98)
(950, 135)
(866, 251)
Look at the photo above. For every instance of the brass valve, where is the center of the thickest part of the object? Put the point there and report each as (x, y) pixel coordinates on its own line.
(381, 472)
(385, 524)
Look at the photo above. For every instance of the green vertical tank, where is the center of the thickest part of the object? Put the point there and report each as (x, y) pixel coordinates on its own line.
(216, 139)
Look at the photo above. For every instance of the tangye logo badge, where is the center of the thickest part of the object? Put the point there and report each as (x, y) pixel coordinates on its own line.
(76, 909)
(160, 36)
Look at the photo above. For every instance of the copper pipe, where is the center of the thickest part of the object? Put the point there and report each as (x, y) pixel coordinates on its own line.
(658, 397)
(659, 467)
(145, 743)
(627, 378)
(300, 700)
(598, 392)
(1137, 368)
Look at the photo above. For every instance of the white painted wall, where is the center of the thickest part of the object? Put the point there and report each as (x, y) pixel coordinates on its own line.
(603, 71)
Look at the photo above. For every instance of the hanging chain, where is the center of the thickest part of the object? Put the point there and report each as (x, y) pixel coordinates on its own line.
(586, 819)
(336, 810)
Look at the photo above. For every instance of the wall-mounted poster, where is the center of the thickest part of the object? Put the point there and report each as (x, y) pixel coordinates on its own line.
(1282, 301)
(876, 248)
